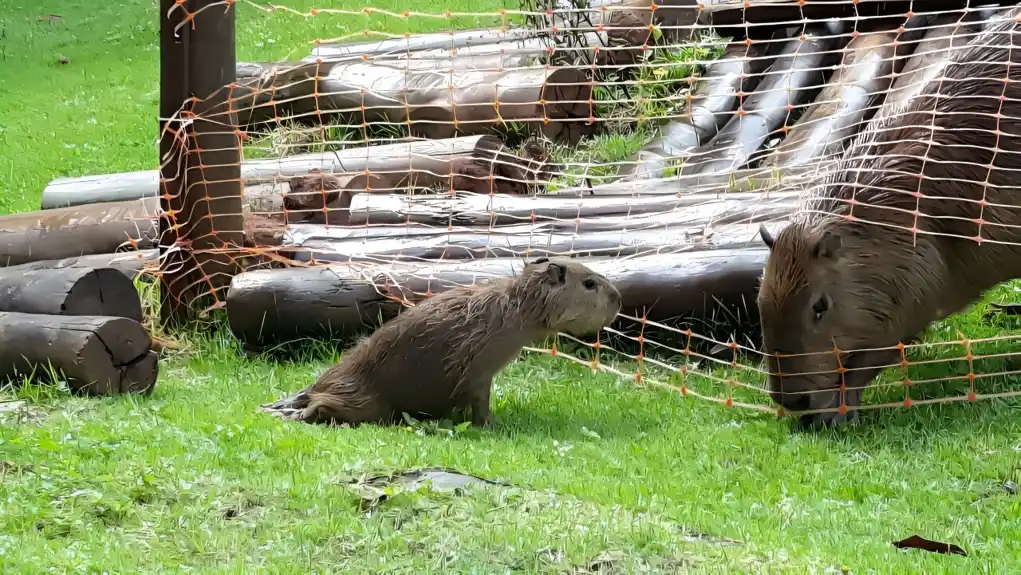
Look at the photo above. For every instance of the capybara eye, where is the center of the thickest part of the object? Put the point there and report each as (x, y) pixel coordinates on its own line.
(589, 283)
(819, 307)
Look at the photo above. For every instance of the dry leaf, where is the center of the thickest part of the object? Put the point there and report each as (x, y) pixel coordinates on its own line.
(916, 542)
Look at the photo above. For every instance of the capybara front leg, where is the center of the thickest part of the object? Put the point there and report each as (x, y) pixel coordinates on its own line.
(480, 404)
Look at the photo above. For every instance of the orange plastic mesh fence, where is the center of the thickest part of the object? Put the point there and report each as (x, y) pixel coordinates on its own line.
(875, 143)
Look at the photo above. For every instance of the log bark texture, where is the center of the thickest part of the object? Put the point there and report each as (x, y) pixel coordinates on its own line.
(78, 231)
(708, 107)
(498, 243)
(276, 306)
(839, 112)
(69, 291)
(796, 76)
(96, 355)
(132, 264)
(416, 156)
(492, 210)
(432, 105)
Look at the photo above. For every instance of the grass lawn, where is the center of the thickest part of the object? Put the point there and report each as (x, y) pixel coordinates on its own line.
(607, 476)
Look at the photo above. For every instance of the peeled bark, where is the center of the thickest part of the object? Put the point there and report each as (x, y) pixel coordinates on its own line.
(390, 47)
(524, 50)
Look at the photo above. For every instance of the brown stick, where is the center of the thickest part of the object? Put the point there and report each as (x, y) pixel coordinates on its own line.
(276, 306)
(81, 230)
(69, 291)
(97, 355)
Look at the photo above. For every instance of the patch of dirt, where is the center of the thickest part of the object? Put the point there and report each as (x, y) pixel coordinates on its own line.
(241, 507)
(378, 488)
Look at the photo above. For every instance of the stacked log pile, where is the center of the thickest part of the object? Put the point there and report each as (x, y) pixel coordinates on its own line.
(364, 229)
(76, 323)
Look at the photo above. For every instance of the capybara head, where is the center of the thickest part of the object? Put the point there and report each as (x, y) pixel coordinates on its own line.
(833, 285)
(567, 296)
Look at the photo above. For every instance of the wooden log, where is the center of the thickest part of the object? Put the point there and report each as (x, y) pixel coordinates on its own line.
(97, 355)
(795, 77)
(431, 105)
(491, 210)
(715, 97)
(69, 291)
(276, 306)
(132, 264)
(421, 156)
(492, 243)
(78, 231)
(701, 281)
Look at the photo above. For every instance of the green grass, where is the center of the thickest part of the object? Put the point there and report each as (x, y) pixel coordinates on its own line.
(192, 479)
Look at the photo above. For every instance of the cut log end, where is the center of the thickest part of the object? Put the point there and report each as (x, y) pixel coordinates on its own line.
(95, 355)
(103, 292)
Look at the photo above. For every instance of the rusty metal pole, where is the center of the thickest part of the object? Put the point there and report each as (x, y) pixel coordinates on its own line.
(201, 224)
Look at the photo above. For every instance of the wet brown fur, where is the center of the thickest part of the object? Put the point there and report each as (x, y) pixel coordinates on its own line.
(443, 353)
(878, 283)
(317, 198)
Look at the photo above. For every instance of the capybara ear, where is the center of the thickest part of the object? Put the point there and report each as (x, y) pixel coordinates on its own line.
(767, 238)
(556, 272)
(828, 245)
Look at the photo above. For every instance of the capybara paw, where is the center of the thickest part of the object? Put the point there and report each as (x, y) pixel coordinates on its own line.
(818, 421)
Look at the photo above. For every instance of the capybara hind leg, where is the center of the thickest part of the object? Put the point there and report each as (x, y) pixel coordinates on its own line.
(335, 412)
(480, 405)
(297, 401)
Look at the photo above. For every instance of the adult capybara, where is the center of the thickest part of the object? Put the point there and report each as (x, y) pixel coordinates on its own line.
(919, 219)
(443, 353)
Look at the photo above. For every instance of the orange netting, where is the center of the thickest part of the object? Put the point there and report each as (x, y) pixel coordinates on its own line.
(382, 165)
